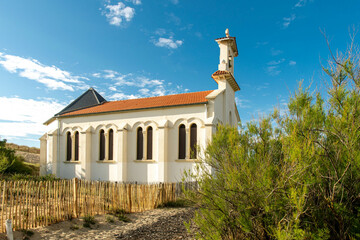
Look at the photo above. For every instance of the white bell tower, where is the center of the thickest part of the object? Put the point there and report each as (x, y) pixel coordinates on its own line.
(228, 50)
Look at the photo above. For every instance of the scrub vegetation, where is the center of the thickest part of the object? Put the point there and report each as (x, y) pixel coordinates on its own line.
(12, 164)
(290, 175)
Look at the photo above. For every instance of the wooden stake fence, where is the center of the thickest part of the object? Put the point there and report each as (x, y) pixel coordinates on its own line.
(31, 204)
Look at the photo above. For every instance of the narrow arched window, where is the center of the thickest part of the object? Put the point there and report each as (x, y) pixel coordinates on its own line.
(193, 141)
(68, 146)
(139, 144)
(76, 146)
(102, 145)
(230, 118)
(182, 142)
(111, 144)
(149, 143)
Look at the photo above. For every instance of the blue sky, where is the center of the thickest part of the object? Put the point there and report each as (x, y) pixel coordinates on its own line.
(52, 51)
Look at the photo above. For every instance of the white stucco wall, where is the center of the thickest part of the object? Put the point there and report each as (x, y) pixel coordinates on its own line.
(158, 169)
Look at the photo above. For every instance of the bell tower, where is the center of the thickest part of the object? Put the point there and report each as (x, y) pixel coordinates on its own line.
(224, 77)
(228, 51)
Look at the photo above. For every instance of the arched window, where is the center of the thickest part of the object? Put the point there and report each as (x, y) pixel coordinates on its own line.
(230, 119)
(193, 141)
(182, 142)
(102, 145)
(68, 146)
(111, 144)
(139, 144)
(76, 146)
(149, 143)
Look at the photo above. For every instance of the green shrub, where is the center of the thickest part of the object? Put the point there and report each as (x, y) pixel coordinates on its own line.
(18, 176)
(120, 214)
(74, 227)
(287, 176)
(10, 163)
(109, 219)
(176, 204)
(88, 221)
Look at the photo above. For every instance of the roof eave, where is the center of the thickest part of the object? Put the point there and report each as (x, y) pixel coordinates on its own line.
(49, 121)
(125, 110)
(233, 44)
(227, 76)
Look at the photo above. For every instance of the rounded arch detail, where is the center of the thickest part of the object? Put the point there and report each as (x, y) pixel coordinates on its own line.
(198, 121)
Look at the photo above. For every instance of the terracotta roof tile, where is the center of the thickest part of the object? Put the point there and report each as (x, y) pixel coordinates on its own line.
(143, 103)
(225, 38)
(229, 77)
(220, 72)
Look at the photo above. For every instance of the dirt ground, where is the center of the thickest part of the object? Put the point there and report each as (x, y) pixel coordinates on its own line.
(163, 223)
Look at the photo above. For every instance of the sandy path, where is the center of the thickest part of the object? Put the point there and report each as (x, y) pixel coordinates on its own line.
(166, 223)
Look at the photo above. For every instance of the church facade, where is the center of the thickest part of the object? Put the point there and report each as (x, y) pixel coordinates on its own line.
(144, 140)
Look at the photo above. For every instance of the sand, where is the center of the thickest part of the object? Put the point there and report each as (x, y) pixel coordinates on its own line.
(163, 223)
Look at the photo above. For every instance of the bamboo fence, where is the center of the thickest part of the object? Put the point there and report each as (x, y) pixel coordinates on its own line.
(31, 204)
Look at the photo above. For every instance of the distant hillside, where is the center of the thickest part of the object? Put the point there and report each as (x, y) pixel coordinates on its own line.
(30, 154)
(23, 148)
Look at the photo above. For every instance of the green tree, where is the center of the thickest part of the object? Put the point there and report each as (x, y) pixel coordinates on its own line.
(10, 163)
(288, 176)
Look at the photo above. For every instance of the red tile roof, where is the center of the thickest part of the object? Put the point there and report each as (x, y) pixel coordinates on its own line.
(229, 77)
(144, 103)
(220, 72)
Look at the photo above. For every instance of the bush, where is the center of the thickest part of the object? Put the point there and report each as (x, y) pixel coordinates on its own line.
(10, 163)
(109, 219)
(290, 176)
(120, 214)
(88, 221)
(18, 176)
(176, 204)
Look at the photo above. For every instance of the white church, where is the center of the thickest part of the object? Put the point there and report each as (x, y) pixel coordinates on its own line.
(145, 140)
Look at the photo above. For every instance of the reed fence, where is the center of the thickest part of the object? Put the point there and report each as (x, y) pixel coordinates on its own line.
(31, 204)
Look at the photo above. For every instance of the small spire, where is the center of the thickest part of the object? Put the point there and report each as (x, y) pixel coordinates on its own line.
(227, 32)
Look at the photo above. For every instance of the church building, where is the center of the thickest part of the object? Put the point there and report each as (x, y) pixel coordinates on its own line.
(144, 140)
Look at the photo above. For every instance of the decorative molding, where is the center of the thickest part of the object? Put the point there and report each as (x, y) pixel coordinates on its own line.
(145, 161)
(72, 162)
(188, 160)
(106, 161)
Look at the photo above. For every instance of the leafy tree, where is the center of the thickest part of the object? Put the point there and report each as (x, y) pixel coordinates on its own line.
(289, 176)
(10, 163)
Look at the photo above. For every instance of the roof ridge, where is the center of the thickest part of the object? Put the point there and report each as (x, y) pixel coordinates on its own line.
(158, 96)
(93, 92)
(173, 100)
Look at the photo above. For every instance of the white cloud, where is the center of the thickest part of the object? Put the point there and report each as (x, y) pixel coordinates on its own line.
(175, 1)
(174, 19)
(275, 52)
(115, 14)
(288, 20)
(292, 63)
(162, 31)
(136, 2)
(144, 91)
(28, 118)
(273, 70)
(130, 86)
(242, 103)
(51, 76)
(300, 3)
(274, 62)
(168, 43)
(122, 96)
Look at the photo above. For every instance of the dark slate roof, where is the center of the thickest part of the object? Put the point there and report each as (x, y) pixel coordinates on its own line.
(90, 98)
